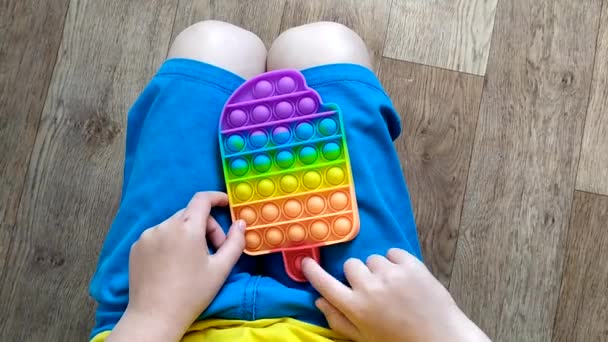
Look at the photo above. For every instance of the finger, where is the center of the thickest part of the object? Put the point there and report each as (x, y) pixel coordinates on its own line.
(398, 256)
(200, 205)
(338, 322)
(356, 272)
(148, 233)
(176, 216)
(148, 239)
(329, 287)
(377, 263)
(215, 233)
(229, 253)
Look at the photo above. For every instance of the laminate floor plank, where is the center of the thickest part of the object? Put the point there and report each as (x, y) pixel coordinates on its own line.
(109, 51)
(593, 166)
(439, 110)
(31, 34)
(450, 34)
(509, 254)
(582, 314)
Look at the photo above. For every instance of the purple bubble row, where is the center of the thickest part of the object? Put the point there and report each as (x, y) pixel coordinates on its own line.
(266, 88)
(262, 112)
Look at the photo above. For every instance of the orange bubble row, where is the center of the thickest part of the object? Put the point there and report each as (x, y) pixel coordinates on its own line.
(312, 205)
(317, 230)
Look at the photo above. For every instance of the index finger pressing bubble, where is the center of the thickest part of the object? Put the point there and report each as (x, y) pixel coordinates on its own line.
(338, 294)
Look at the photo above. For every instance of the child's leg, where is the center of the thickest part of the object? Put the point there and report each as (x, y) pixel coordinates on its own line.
(223, 45)
(316, 44)
(371, 125)
(172, 152)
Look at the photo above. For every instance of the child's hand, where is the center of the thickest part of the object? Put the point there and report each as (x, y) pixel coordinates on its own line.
(172, 276)
(390, 299)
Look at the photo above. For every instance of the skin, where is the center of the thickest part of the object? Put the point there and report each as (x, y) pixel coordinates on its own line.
(221, 44)
(392, 298)
(173, 278)
(317, 44)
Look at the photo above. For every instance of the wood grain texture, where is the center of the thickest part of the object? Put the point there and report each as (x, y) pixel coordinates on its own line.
(260, 17)
(6, 232)
(582, 314)
(593, 166)
(30, 33)
(451, 34)
(439, 110)
(109, 51)
(368, 18)
(509, 254)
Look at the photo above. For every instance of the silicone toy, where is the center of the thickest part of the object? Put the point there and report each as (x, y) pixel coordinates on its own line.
(287, 168)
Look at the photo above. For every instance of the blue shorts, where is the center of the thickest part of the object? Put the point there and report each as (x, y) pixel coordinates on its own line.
(172, 152)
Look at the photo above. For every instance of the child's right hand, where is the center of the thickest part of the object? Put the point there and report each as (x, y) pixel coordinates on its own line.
(390, 299)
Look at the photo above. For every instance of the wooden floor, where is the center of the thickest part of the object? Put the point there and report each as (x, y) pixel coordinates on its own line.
(505, 146)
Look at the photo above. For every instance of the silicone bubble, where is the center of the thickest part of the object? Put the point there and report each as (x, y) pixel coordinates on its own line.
(304, 131)
(285, 85)
(238, 117)
(285, 159)
(289, 183)
(306, 105)
(286, 167)
(253, 240)
(296, 232)
(266, 187)
(248, 214)
(335, 175)
(270, 212)
(292, 208)
(338, 200)
(235, 143)
(315, 204)
(243, 191)
(258, 138)
(281, 135)
(328, 126)
(262, 162)
(274, 236)
(319, 230)
(284, 109)
(311, 179)
(331, 151)
(262, 89)
(342, 226)
(239, 166)
(308, 154)
(260, 114)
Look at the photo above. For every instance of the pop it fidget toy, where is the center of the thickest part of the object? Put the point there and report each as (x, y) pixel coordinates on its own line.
(287, 169)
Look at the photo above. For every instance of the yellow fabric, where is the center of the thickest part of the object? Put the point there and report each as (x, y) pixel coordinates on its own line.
(276, 329)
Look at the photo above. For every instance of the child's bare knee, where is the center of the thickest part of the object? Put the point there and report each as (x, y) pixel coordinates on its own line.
(317, 44)
(221, 44)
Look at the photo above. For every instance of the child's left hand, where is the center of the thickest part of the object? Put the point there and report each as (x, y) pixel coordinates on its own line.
(172, 276)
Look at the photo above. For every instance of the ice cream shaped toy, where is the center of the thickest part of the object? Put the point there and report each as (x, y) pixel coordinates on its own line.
(287, 169)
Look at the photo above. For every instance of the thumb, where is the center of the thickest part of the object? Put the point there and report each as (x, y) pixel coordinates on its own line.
(337, 321)
(229, 253)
